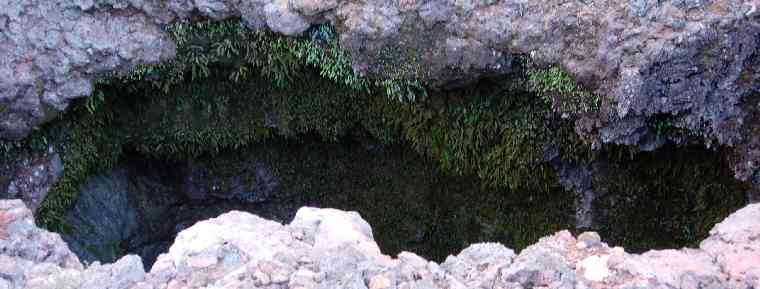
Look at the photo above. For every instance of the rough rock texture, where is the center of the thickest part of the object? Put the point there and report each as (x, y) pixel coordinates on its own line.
(747, 164)
(578, 178)
(694, 60)
(327, 248)
(102, 219)
(140, 207)
(51, 50)
(201, 184)
(30, 177)
(21, 239)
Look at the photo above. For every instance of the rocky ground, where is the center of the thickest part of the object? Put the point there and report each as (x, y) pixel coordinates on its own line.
(327, 248)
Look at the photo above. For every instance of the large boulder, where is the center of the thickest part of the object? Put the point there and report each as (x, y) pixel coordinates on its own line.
(21, 239)
(34, 258)
(735, 245)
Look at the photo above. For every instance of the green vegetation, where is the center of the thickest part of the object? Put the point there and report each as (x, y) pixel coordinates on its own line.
(89, 145)
(496, 129)
(667, 198)
(558, 88)
(231, 88)
(410, 202)
(400, 71)
(492, 129)
(228, 49)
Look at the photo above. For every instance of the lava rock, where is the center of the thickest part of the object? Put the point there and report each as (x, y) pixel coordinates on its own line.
(116, 213)
(30, 177)
(102, 218)
(21, 239)
(694, 60)
(202, 183)
(240, 250)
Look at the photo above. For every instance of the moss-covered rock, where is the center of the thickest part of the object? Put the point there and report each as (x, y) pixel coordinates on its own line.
(668, 198)
(231, 88)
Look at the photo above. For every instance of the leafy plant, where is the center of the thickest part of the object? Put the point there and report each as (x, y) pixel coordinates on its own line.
(559, 89)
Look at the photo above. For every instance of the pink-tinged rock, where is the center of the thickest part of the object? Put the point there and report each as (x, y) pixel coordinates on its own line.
(379, 282)
(19, 237)
(163, 265)
(594, 268)
(331, 228)
(260, 278)
(312, 7)
(10, 211)
(673, 268)
(175, 284)
(743, 226)
(741, 263)
(325, 248)
(201, 261)
(5, 219)
(253, 237)
(735, 244)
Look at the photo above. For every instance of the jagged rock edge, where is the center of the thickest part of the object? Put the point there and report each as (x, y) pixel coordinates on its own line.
(328, 248)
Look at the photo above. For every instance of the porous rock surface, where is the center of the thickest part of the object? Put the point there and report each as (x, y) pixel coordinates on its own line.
(138, 208)
(328, 248)
(696, 60)
(30, 176)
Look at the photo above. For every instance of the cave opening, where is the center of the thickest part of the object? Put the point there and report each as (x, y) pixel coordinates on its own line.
(139, 206)
(155, 151)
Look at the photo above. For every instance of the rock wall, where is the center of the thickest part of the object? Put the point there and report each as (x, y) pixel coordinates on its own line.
(30, 176)
(328, 248)
(695, 60)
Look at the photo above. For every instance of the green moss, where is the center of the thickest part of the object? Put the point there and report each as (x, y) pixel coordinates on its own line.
(229, 50)
(398, 73)
(671, 127)
(666, 199)
(494, 129)
(87, 144)
(323, 53)
(198, 104)
(411, 203)
(560, 89)
(231, 88)
(114, 248)
(92, 250)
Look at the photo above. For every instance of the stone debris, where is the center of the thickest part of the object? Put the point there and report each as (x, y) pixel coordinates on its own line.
(328, 248)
